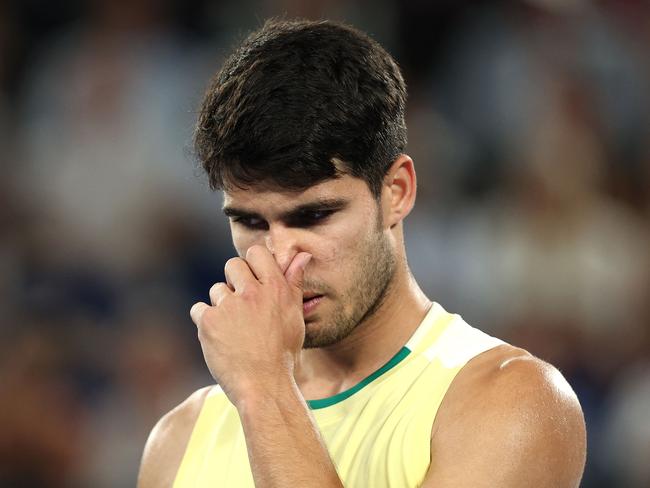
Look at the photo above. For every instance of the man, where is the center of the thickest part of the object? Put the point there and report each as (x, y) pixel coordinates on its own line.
(333, 368)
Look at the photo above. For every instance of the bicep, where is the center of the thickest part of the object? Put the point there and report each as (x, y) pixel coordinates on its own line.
(524, 429)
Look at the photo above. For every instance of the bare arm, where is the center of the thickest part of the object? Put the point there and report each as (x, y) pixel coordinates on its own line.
(251, 336)
(517, 425)
(167, 441)
(284, 445)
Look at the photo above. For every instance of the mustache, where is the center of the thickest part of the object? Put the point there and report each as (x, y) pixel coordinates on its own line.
(316, 286)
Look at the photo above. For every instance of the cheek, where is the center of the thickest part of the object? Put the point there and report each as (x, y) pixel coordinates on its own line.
(327, 251)
(242, 240)
(338, 253)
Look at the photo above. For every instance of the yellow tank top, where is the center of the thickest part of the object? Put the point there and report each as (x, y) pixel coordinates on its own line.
(378, 432)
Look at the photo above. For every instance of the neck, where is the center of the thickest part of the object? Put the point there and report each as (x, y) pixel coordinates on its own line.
(326, 371)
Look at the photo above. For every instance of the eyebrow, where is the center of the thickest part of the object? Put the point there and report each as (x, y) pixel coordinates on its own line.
(317, 205)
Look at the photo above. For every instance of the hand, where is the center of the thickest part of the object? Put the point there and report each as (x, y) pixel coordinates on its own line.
(254, 330)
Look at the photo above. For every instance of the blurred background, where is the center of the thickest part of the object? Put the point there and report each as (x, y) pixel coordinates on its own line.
(529, 122)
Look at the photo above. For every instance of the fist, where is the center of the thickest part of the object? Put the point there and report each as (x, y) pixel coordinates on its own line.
(254, 329)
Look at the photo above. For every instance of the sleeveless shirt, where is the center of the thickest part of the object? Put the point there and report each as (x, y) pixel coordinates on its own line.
(378, 433)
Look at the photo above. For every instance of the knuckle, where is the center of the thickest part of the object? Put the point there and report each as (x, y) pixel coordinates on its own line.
(232, 262)
(217, 289)
(204, 317)
(254, 251)
(196, 313)
(247, 292)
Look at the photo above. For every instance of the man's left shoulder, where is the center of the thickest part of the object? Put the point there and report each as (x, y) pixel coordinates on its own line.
(521, 381)
(508, 403)
(510, 381)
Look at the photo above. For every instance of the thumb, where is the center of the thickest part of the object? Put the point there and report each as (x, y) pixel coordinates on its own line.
(296, 271)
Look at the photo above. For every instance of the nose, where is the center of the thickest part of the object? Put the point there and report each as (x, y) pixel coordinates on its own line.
(284, 243)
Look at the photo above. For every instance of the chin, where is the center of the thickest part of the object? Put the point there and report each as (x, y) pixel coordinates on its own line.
(316, 336)
(313, 336)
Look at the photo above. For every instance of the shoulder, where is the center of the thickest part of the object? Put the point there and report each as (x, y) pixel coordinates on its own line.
(517, 414)
(167, 441)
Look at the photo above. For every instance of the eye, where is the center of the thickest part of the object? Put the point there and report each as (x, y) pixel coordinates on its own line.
(311, 217)
(252, 223)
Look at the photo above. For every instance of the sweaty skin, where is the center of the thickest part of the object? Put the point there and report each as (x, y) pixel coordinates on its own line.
(508, 419)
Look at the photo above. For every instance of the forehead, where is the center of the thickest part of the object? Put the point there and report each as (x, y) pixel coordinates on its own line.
(263, 200)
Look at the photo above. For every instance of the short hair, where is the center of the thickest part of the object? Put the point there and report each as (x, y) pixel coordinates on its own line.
(300, 102)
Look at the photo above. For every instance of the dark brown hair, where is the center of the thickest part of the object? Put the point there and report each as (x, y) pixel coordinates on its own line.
(294, 96)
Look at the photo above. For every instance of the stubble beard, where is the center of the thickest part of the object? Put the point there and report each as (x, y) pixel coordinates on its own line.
(372, 282)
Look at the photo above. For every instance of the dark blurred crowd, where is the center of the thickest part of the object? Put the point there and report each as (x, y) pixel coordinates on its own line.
(529, 122)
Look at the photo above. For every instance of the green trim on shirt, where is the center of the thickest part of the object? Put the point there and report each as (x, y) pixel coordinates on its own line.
(339, 397)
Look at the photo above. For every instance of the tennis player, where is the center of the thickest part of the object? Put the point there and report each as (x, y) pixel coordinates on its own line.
(332, 367)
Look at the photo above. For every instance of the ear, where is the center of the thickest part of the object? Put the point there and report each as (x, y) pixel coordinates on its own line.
(398, 191)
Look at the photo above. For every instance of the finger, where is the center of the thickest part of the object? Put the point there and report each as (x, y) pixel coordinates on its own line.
(262, 263)
(238, 274)
(218, 292)
(197, 311)
(296, 271)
